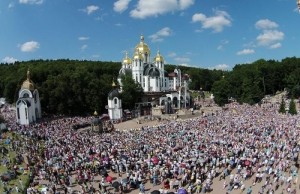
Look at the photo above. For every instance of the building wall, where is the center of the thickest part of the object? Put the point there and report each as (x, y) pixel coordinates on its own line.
(28, 113)
(115, 111)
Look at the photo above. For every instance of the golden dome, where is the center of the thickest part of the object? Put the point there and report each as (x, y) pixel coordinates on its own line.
(28, 84)
(158, 57)
(138, 55)
(95, 113)
(127, 60)
(142, 47)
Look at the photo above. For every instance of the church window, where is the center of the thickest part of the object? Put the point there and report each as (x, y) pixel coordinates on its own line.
(26, 95)
(136, 78)
(26, 113)
(140, 77)
(18, 112)
(116, 101)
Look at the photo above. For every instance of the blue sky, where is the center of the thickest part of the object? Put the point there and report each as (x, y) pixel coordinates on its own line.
(202, 33)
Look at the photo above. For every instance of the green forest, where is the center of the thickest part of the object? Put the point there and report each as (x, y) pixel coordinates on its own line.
(75, 87)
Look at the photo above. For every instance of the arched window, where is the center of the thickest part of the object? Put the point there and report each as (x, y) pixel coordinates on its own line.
(116, 101)
(26, 95)
(35, 97)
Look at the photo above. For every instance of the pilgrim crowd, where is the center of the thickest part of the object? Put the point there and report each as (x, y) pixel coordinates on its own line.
(245, 147)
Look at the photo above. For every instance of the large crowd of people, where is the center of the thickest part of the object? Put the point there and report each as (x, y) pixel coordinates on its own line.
(245, 147)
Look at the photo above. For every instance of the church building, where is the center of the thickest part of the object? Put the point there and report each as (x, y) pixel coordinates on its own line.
(115, 110)
(28, 104)
(161, 88)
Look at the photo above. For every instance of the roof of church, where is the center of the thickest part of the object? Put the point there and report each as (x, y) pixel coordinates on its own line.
(158, 57)
(142, 47)
(28, 84)
(127, 60)
(96, 121)
(114, 93)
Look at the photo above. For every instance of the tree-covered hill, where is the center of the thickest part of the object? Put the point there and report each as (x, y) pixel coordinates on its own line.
(80, 87)
(250, 83)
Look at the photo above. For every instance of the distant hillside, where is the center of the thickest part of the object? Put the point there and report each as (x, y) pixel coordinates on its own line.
(80, 87)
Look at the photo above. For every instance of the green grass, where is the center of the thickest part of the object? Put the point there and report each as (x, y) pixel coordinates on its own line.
(12, 155)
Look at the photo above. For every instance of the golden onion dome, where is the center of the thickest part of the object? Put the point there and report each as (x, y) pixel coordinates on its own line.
(28, 84)
(142, 47)
(138, 55)
(158, 57)
(127, 60)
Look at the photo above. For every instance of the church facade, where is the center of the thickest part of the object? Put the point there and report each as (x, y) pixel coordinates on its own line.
(161, 88)
(28, 106)
(115, 110)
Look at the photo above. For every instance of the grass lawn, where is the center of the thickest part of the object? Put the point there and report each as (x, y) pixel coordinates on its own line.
(3, 169)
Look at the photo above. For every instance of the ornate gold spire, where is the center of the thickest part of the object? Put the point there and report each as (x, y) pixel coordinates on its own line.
(113, 83)
(142, 47)
(28, 74)
(158, 57)
(28, 84)
(127, 60)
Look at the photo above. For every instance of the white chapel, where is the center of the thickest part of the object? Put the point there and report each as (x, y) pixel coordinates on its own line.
(115, 110)
(28, 106)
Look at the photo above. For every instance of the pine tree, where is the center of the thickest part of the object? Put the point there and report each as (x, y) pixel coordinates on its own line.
(282, 107)
(292, 107)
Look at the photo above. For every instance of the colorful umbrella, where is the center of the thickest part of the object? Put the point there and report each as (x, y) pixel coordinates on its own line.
(109, 179)
(155, 160)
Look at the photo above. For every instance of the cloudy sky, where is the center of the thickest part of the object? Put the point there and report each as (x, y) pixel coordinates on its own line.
(203, 33)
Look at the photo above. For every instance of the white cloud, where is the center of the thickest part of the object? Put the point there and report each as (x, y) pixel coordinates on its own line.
(172, 54)
(83, 47)
(275, 46)
(83, 38)
(11, 5)
(221, 67)
(158, 36)
(220, 47)
(184, 4)
(37, 2)
(121, 5)
(217, 22)
(265, 24)
(95, 56)
(147, 8)
(223, 43)
(91, 9)
(269, 37)
(30, 46)
(182, 59)
(245, 52)
(9, 60)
